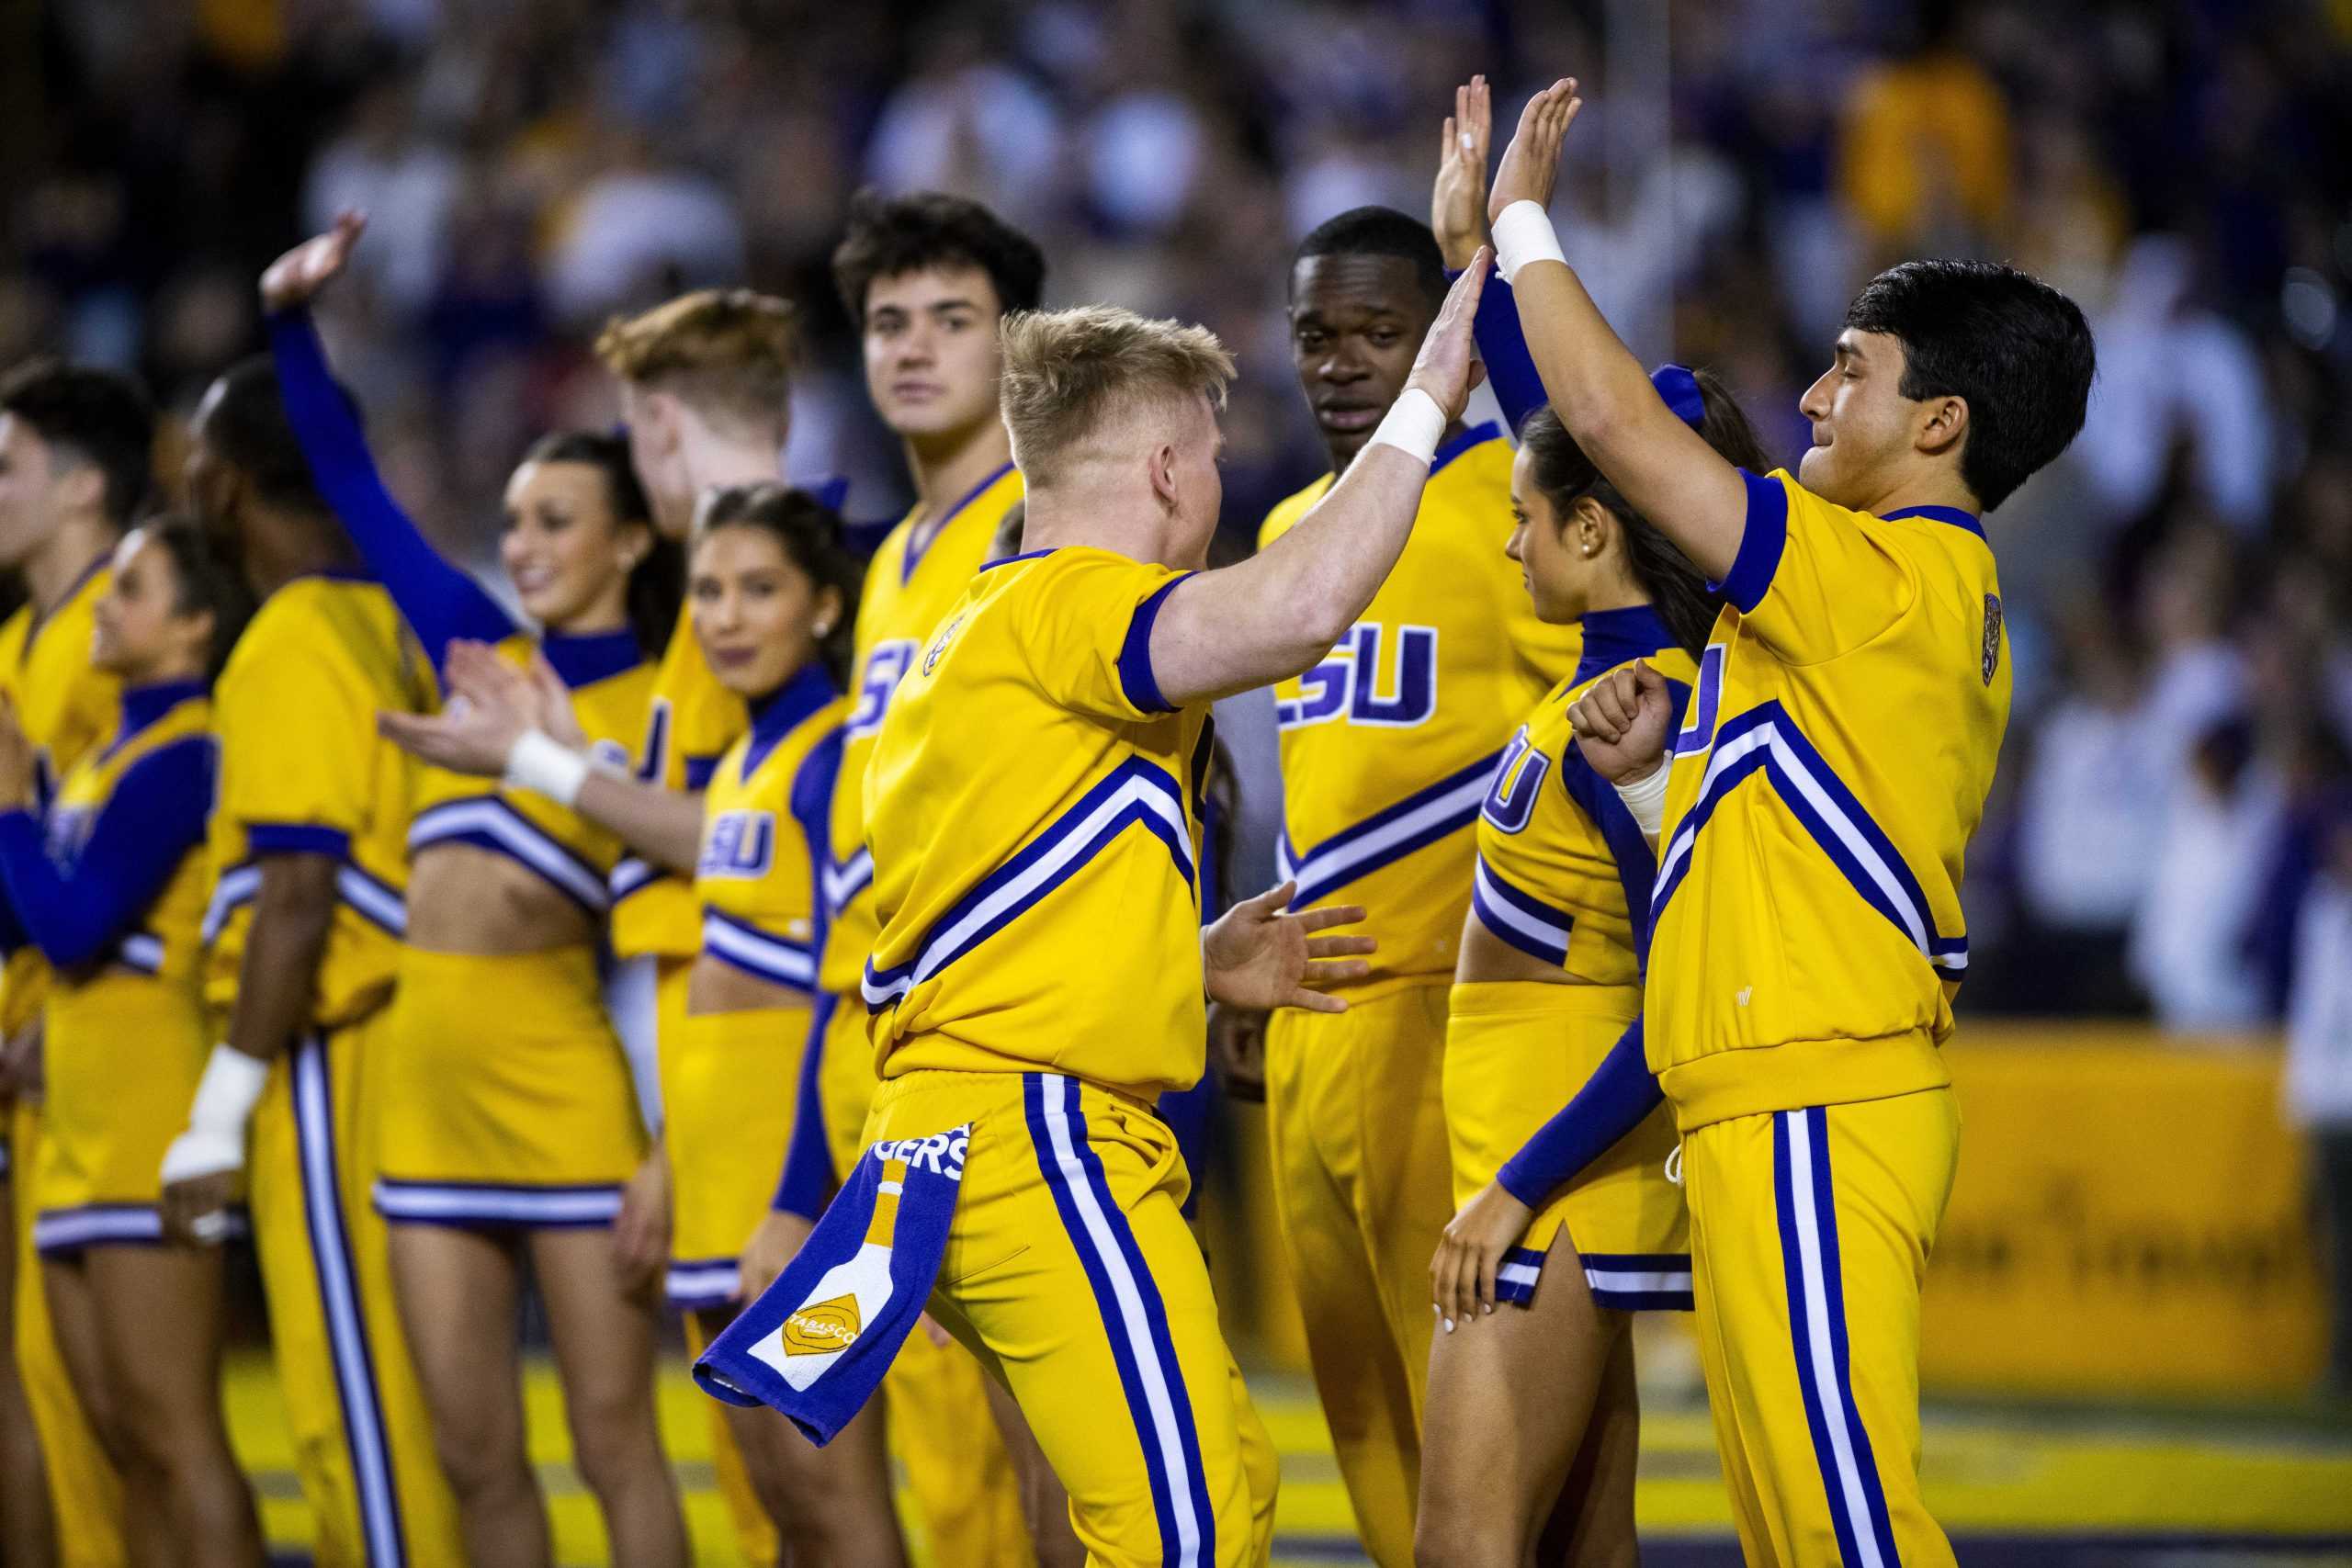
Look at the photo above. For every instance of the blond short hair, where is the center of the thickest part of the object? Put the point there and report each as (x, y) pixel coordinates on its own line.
(729, 352)
(1070, 374)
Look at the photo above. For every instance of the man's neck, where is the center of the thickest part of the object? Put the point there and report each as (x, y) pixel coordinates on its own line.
(1452, 433)
(53, 571)
(950, 467)
(712, 461)
(300, 545)
(1933, 485)
(1121, 524)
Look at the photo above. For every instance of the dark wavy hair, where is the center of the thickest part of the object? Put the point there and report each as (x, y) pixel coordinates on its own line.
(810, 533)
(657, 585)
(1678, 590)
(2017, 351)
(891, 236)
(101, 417)
(206, 582)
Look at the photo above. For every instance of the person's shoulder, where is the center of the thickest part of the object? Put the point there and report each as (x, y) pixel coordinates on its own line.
(1291, 508)
(1474, 462)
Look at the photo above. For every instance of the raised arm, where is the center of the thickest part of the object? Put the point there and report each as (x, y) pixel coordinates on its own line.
(1458, 218)
(1600, 391)
(1274, 615)
(439, 600)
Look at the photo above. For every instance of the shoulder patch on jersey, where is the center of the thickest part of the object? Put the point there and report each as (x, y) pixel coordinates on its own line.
(1991, 660)
(939, 644)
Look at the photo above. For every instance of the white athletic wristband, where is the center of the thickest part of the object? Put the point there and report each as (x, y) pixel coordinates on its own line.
(1523, 233)
(544, 765)
(1414, 424)
(225, 1096)
(1645, 797)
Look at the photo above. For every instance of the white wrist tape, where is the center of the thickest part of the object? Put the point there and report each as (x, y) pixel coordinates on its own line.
(546, 766)
(1414, 424)
(225, 1096)
(1523, 233)
(1645, 796)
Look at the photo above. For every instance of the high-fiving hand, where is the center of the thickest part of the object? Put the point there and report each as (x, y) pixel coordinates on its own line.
(1531, 164)
(1448, 368)
(1458, 200)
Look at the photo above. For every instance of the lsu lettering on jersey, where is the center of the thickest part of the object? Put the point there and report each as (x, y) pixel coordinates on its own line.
(1830, 767)
(908, 593)
(302, 770)
(1033, 807)
(767, 812)
(1388, 745)
(1563, 874)
(612, 690)
(692, 721)
(67, 710)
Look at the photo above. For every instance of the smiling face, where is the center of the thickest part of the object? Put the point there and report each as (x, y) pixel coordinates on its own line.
(1864, 427)
(1356, 322)
(757, 612)
(567, 554)
(140, 634)
(932, 354)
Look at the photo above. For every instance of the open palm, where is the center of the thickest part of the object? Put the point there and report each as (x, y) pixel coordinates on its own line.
(1259, 955)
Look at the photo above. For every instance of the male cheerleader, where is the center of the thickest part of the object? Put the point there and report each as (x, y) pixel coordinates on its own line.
(928, 279)
(75, 443)
(1031, 806)
(1388, 745)
(1812, 814)
(308, 839)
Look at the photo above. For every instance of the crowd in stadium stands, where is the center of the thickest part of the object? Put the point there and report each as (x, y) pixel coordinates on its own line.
(2177, 797)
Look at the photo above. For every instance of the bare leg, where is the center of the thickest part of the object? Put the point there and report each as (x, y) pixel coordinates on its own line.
(1537, 1374)
(604, 1352)
(80, 1346)
(459, 1290)
(28, 1532)
(162, 1374)
(1592, 1527)
(831, 1505)
(1043, 1502)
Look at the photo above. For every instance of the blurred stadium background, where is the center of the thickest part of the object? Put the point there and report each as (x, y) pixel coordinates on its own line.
(2131, 1347)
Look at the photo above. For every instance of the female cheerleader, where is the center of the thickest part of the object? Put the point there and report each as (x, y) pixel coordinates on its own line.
(1549, 975)
(770, 588)
(512, 1128)
(111, 888)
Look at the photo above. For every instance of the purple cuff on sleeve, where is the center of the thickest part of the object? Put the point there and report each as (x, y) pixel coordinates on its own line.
(1760, 543)
(297, 839)
(1136, 676)
(698, 772)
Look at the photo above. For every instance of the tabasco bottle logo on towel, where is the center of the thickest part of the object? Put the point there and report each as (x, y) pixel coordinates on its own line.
(822, 1327)
(851, 1295)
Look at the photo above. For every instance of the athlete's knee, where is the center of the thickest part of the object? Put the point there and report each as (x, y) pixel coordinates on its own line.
(480, 1457)
(1447, 1535)
(614, 1442)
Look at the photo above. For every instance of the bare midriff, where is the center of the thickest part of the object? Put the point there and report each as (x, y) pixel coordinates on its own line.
(716, 986)
(1487, 957)
(464, 899)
